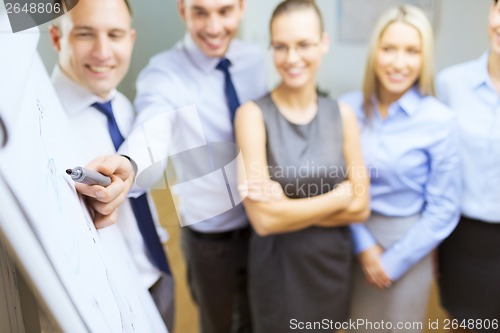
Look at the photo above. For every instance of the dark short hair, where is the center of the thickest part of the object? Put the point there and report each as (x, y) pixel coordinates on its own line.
(296, 5)
(72, 3)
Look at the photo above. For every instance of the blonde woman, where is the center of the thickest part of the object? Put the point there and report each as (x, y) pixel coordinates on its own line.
(410, 145)
(306, 149)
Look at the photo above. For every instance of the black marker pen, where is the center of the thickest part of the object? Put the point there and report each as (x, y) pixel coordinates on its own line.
(89, 177)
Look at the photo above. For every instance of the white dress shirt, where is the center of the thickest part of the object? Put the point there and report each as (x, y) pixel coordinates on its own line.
(91, 127)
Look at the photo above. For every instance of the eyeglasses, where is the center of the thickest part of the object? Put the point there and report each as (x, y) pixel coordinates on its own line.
(302, 48)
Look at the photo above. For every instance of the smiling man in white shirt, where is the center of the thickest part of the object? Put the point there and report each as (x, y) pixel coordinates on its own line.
(94, 42)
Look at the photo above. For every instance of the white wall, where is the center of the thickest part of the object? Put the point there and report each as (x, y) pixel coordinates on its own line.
(460, 36)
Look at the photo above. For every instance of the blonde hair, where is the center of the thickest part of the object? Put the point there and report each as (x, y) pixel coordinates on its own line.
(416, 18)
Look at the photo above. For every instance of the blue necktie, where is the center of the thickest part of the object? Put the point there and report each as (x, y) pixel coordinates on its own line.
(139, 205)
(231, 95)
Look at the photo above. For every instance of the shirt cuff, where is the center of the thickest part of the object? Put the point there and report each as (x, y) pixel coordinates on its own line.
(134, 165)
(393, 266)
(362, 238)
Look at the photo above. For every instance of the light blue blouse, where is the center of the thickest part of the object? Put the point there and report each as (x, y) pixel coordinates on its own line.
(414, 167)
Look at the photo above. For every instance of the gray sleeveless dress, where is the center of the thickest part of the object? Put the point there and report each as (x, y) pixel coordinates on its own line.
(301, 276)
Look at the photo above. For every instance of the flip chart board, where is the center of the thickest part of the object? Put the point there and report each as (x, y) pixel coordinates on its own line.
(75, 270)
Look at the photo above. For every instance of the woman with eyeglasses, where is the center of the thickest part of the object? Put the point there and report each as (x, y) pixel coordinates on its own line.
(469, 260)
(305, 181)
(409, 142)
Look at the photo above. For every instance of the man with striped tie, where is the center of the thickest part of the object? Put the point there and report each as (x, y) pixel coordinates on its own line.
(94, 42)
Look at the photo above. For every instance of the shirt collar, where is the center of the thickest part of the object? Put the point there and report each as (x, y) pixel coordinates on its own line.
(74, 98)
(199, 59)
(480, 73)
(409, 101)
